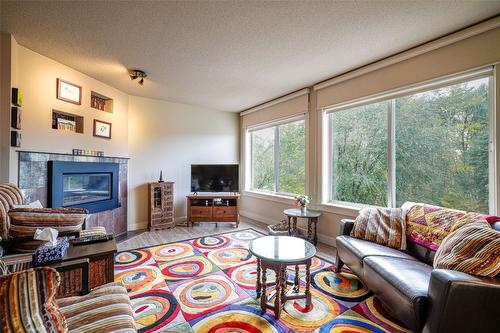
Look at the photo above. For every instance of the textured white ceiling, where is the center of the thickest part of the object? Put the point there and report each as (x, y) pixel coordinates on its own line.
(229, 55)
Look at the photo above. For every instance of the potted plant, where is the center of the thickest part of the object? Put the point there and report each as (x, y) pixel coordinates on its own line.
(302, 201)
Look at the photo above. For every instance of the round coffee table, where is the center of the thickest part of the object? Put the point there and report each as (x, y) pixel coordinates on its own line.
(276, 253)
(312, 220)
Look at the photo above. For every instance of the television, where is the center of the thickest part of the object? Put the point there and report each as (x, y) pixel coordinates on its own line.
(214, 178)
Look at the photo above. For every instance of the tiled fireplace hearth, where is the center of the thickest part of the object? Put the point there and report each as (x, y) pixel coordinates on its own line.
(34, 181)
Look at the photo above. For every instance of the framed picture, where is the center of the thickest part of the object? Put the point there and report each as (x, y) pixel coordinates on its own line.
(102, 129)
(69, 92)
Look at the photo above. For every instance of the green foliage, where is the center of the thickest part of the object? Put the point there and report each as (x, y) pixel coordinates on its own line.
(360, 154)
(291, 154)
(441, 149)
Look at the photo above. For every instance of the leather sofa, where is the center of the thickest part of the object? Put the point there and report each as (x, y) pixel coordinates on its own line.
(424, 299)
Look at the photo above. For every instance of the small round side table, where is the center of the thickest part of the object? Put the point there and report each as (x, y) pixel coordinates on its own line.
(276, 253)
(312, 220)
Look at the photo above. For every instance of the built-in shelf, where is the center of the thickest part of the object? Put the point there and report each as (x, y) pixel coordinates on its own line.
(65, 121)
(101, 102)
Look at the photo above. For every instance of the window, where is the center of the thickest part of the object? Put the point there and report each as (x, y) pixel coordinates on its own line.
(431, 147)
(278, 158)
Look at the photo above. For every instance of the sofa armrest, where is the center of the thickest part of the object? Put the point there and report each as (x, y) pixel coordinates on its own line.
(346, 227)
(459, 302)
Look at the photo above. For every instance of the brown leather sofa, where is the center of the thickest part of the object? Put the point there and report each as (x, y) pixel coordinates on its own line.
(424, 299)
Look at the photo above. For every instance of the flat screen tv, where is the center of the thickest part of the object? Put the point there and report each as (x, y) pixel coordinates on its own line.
(214, 178)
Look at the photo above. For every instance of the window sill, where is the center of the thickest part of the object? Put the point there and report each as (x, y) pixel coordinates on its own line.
(340, 209)
(285, 199)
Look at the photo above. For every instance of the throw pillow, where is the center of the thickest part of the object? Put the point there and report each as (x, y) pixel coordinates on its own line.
(28, 304)
(428, 225)
(381, 225)
(473, 249)
(34, 204)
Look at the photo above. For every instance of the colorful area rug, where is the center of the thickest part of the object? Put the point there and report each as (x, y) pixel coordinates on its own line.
(207, 285)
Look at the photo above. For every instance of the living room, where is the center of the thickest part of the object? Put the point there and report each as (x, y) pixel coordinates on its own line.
(360, 135)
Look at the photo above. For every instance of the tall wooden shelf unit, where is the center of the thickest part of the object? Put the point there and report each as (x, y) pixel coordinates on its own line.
(161, 205)
(213, 208)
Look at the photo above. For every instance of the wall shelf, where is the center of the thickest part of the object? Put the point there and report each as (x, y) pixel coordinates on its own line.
(101, 102)
(65, 121)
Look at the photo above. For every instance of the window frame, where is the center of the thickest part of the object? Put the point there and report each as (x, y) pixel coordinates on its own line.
(249, 173)
(390, 97)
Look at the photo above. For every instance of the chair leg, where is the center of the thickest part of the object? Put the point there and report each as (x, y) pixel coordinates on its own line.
(338, 264)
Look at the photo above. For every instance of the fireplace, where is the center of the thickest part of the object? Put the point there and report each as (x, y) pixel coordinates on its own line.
(89, 185)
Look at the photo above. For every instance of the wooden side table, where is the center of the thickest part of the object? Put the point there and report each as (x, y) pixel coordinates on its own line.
(100, 268)
(312, 216)
(276, 253)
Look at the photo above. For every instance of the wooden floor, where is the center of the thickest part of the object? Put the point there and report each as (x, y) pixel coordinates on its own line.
(153, 238)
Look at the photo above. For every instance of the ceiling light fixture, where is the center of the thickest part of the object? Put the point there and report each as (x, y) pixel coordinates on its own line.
(137, 73)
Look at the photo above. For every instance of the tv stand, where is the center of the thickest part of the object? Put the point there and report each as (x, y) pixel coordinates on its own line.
(213, 208)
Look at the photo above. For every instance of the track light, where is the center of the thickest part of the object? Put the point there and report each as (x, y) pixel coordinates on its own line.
(136, 73)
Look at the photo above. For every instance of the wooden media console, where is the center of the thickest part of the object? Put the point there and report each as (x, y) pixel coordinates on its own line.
(213, 208)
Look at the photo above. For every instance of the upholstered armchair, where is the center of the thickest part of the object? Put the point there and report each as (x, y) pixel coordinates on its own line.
(18, 225)
(105, 309)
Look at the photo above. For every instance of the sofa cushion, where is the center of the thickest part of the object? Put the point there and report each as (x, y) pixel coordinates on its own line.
(352, 251)
(106, 309)
(24, 221)
(401, 285)
(27, 302)
(472, 249)
(384, 226)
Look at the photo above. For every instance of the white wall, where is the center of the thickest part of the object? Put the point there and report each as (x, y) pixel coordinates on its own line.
(35, 75)
(170, 137)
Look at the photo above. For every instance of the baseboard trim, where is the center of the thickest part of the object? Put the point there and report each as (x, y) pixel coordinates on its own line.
(181, 221)
(322, 238)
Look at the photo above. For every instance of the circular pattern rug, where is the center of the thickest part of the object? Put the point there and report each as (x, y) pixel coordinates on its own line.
(172, 251)
(322, 310)
(211, 242)
(154, 310)
(205, 294)
(373, 310)
(246, 275)
(186, 268)
(132, 258)
(343, 286)
(140, 278)
(229, 257)
(352, 323)
(244, 236)
(236, 318)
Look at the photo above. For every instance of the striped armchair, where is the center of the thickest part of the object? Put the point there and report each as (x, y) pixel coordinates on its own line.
(18, 225)
(106, 309)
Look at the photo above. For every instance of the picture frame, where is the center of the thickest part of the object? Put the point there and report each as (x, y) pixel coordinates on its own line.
(102, 129)
(69, 92)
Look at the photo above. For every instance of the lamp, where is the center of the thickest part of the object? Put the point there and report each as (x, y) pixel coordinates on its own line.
(137, 73)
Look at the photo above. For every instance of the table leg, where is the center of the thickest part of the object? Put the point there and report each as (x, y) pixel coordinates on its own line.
(263, 295)
(289, 225)
(308, 284)
(277, 295)
(315, 231)
(296, 283)
(283, 283)
(258, 284)
(309, 229)
(295, 232)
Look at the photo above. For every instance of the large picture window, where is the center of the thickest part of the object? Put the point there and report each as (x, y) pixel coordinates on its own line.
(430, 146)
(278, 158)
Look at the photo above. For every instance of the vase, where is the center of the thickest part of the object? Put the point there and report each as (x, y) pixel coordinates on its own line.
(303, 209)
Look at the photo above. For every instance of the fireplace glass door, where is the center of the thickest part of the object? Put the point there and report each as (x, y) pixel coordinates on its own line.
(81, 188)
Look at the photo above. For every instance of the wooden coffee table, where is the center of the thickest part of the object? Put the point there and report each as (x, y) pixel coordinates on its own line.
(276, 253)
